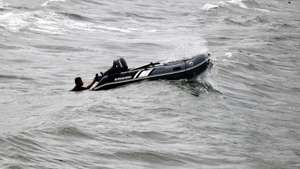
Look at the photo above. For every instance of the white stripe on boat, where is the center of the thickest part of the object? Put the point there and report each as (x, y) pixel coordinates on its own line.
(137, 74)
(145, 73)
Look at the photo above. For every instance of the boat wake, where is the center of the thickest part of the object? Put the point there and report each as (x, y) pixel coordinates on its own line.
(196, 87)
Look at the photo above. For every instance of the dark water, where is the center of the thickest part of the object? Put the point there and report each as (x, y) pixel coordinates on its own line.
(243, 113)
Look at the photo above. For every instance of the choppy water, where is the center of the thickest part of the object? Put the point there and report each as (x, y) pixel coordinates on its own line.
(243, 114)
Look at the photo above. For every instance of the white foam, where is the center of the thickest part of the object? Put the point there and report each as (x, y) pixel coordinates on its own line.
(47, 30)
(208, 7)
(239, 3)
(152, 30)
(57, 24)
(261, 10)
(49, 1)
(14, 21)
(228, 54)
(47, 26)
(73, 25)
(51, 23)
(48, 23)
(113, 29)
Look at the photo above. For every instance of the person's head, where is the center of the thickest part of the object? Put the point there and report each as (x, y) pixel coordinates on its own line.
(78, 82)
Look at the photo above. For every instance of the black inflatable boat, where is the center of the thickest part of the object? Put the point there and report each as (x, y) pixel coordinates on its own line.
(119, 74)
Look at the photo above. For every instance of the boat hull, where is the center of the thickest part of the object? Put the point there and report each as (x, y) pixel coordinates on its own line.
(181, 69)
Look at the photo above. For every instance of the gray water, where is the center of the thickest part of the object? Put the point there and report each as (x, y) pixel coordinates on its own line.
(242, 113)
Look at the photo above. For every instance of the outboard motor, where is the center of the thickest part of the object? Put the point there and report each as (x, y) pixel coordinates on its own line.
(118, 66)
(122, 64)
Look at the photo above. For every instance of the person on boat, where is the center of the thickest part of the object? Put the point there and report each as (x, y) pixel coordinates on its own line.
(119, 66)
(79, 84)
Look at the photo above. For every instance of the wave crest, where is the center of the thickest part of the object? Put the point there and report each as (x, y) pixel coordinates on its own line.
(50, 1)
(238, 3)
(149, 156)
(69, 131)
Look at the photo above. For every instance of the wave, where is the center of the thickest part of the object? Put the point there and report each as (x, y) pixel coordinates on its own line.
(9, 47)
(57, 48)
(284, 25)
(50, 1)
(133, 15)
(94, 2)
(14, 166)
(3, 4)
(15, 21)
(220, 4)
(245, 4)
(209, 6)
(71, 131)
(24, 141)
(150, 156)
(284, 38)
(153, 135)
(195, 87)
(13, 77)
(75, 16)
(234, 22)
(113, 29)
(52, 22)
(239, 3)
(248, 22)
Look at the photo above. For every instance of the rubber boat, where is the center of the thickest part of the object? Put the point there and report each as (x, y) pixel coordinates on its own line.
(175, 70)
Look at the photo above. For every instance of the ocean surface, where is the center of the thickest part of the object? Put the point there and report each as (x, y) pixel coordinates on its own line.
(243, 113)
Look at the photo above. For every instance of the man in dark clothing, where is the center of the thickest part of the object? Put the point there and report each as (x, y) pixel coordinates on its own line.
(79, 84)
(119, 66)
